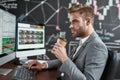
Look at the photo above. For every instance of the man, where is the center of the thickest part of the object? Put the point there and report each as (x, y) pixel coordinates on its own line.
(89, 60)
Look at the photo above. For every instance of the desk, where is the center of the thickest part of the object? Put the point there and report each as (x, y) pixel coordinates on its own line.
(40, 75)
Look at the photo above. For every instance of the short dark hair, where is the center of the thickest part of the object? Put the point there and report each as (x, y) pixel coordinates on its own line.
(83, 9)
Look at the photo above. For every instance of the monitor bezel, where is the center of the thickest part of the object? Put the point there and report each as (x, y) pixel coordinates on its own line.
(29, 48)
(6, 57)
(25, 53)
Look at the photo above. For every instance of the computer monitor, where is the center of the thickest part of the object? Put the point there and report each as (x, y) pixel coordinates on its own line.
(30, 40)
(7, 36)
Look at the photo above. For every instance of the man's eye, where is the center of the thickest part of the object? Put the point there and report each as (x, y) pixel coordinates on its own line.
(75, 22)
(70, 23)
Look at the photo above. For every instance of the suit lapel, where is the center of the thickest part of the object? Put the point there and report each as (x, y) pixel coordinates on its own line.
(79, 51)
(92, 36)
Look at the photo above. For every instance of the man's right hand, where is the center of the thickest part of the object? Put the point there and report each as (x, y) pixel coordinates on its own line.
(36, 65)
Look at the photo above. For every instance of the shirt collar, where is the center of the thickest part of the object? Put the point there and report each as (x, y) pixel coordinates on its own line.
(84, 39)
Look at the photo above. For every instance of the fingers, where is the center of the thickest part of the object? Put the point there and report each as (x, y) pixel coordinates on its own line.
(32, 63)
(36, 65)
(39, 66)
(56, 50)
(56, 47)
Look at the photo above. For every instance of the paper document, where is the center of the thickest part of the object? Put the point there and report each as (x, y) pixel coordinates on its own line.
(5, 71)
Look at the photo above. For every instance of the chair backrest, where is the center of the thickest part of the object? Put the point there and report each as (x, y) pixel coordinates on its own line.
(111, 66)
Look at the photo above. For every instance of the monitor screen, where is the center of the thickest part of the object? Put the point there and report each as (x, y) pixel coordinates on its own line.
(7, 36)
(30, 40)
(30, 37)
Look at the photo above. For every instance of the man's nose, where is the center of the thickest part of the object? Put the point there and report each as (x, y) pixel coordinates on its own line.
(70, 26)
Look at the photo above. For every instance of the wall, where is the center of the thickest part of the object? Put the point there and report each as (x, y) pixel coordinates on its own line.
(53, 14)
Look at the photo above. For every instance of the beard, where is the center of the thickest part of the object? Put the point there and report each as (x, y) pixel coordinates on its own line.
(78, 33)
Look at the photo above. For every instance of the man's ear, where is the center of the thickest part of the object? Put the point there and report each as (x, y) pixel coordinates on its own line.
(88, 20)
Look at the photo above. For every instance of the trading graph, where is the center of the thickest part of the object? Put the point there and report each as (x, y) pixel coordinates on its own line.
(108, 22)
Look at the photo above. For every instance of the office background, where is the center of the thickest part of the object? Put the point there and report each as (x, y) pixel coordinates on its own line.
(53, 14)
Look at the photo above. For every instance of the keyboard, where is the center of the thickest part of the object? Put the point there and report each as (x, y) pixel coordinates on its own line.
(23, 73)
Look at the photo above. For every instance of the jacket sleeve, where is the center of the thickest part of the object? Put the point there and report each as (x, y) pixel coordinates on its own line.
(53, 64)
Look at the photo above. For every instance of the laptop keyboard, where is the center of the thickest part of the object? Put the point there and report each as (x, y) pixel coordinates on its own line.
(23, 73)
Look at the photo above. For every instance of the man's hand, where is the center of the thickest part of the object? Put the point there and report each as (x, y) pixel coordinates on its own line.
(60, 52)
(36, 65)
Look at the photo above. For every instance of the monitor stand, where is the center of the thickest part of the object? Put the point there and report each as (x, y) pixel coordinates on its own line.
(24, 55)
(23, 60)
(20, 61)
(4, 71)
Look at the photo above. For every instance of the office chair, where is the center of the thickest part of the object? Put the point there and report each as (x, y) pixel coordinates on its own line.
(111, 66)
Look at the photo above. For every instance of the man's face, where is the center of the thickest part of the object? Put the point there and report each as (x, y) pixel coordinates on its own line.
(77, 25)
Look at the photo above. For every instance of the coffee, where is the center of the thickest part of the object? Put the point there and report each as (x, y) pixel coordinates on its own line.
(61, 41)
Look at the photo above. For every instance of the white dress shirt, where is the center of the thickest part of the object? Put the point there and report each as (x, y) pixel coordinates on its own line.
(81, 41)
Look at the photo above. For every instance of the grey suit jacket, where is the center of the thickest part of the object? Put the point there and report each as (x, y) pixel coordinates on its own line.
(89, 62)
